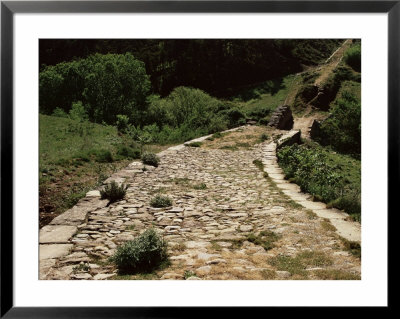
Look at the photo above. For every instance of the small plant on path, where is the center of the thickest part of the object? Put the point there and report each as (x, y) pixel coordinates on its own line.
(113, 191)
(150, 159)
(143, 254)
(160, 201)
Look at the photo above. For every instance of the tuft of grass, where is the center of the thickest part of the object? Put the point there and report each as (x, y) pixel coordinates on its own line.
(268, 274)
(194, 144)
(189, 273)
(264, 137)
(326, 224)
(229, 147)
(150, 159)
(101, 156)
(81, 268)
(128, 152)
(181, 181)
(161, 201)
(113, 191)
(259, 164)
(310, 214)
(351, 246)
(290, 264)
(264, 239)
(179, 247)
(143, 254)
(297, 265)
(215, 246)
(200, 186)
(335, 274)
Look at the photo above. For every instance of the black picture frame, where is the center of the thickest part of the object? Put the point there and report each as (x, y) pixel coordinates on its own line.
(9, 8)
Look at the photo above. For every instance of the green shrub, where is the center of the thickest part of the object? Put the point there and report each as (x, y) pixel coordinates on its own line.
(58, 112)
(107, 85)
(352, 57)
(122, 123)
(264, 137)
(126, 151)
(102, 156)
(113, 191)
(342, 129)
(325, 177)
(161, 201)
(194, 144)
(143, 254)
(150, 159)
(78, 112)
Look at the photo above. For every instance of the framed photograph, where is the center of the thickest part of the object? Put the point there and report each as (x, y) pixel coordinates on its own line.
(158, 156)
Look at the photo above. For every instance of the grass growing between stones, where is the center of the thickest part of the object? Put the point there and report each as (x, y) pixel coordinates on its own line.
(264, 239)
(113, 192)
(351, 246)
(297, 265)
(160, 201)
(335, 274)
(188, 273)
(194, 144)
(326, 225)
(144, 254)
(259, 164)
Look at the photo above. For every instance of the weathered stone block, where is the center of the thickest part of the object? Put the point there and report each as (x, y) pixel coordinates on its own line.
(53, 234)
(54, 251)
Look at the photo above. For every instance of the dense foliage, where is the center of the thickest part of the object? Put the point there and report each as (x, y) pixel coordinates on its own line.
(353, 57)
(330, 177)
(142, 254)
(106, 85)
(217, 66)
(342, 129)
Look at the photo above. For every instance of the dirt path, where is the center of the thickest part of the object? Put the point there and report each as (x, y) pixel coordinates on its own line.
(332, 62)
(305, 121)
(220, 199)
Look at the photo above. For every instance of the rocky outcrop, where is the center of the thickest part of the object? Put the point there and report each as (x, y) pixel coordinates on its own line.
(282, 118)
(288, 139)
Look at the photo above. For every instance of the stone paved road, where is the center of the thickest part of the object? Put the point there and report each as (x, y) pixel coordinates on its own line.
(206, 228)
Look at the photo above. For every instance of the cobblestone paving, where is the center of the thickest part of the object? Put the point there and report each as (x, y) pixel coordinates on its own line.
(208, 226)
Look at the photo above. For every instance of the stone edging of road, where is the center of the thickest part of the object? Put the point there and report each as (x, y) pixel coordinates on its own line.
(346, 228)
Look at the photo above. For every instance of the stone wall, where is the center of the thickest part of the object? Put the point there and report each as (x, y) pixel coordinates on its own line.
(282, 118)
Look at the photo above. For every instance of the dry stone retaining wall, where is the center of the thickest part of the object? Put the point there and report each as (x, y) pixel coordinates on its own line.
(345, 228)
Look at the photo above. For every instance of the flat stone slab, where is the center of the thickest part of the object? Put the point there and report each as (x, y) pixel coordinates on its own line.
(312, 205)
(45, 267)
(56, 234)
(349, 230)
(275, 176)
(54, 251)
(330, 213)
(296, 195)
(288, 186)
(94, 193)
(78, 214)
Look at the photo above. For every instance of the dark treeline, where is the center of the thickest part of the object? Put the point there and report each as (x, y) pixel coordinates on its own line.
(218, 67)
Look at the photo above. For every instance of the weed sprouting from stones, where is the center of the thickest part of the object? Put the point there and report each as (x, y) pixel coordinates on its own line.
(150, 159)
(160, 201)
(113, 191)
(143, 254)
(259, 164)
